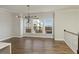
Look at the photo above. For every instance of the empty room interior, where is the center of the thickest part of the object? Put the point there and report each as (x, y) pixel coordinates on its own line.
(39, 29)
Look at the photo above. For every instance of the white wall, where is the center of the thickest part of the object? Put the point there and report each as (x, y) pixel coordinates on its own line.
(9, 25)
(66, 19)
(16, 25)
(5, 24)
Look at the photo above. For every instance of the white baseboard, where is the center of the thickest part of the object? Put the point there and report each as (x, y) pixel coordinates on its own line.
(18, 36)
(59, 39)
(2, 39)
(39, 35)
(5, 38)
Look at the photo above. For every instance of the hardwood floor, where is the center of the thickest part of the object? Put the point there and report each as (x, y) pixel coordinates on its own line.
(30, 45)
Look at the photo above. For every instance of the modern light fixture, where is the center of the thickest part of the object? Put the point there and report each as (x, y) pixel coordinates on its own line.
(28, 15)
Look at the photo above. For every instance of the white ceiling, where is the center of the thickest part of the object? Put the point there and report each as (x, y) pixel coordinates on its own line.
(34, 8)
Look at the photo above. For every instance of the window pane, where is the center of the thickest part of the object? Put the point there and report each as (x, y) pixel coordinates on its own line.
(37, 25)
(48, 23)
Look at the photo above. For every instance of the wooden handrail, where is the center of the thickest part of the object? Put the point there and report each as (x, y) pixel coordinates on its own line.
(70, 32)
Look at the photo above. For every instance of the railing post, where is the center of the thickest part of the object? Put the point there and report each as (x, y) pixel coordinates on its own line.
(78, 44)
(64, 30)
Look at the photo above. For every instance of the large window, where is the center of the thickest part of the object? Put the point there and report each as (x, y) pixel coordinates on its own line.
(42, 25)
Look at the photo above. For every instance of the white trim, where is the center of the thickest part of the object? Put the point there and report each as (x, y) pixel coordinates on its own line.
(38, 35)
(18, 36)
(59, 39)
(5, 38)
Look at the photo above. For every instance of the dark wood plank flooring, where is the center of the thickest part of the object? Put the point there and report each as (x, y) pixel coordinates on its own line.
(30, 45)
